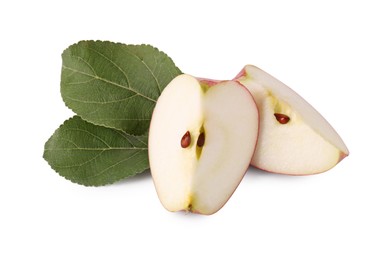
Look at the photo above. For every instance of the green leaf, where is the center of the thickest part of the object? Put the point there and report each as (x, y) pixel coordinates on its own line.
(95, 155)
(113, 84)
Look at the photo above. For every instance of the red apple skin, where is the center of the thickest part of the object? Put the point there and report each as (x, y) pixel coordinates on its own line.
(342, 156)
(209, 82)
(242, 73)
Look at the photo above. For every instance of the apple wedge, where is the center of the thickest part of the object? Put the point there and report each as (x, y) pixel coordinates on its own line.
(202, 137)
(294, 138)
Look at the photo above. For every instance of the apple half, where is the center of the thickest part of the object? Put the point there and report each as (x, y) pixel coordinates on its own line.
(202, 137)
(294, 138)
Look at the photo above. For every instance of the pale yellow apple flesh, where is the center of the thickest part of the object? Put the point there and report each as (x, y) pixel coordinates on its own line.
(294, 138)
(201, 141)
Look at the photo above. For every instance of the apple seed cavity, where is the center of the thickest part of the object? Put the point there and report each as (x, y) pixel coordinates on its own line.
(200, 141)
(186, 140)
(282, 119)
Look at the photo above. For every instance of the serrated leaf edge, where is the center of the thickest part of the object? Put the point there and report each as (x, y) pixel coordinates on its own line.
(136, 172)
(124, 45)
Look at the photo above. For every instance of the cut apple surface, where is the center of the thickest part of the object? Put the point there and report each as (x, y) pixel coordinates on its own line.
(202, 137)
(294, 138)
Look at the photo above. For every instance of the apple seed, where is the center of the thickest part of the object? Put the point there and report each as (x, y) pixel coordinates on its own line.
(200, 141)
(283, 119)
(186, 140)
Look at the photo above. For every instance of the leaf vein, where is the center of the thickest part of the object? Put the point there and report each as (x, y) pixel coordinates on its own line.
(97, 149)
(85, 131)
(111, 166)
(148, 68)
(100, 102)
(116, 65)
(108, 82)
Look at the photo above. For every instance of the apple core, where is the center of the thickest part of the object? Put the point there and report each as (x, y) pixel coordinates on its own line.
(201, 140)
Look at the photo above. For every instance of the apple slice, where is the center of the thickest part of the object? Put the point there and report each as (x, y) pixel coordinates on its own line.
(201, 140)
(294, 138)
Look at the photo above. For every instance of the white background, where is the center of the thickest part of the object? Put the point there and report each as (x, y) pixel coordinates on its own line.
(336, 54)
